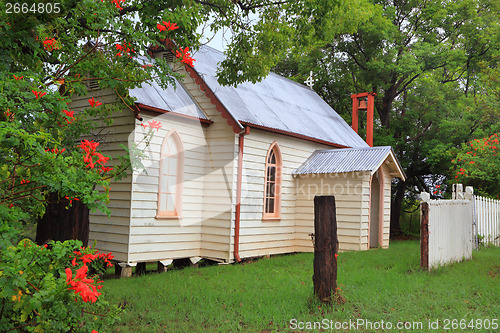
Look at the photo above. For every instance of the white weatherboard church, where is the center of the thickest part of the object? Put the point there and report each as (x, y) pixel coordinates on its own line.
(232, 172)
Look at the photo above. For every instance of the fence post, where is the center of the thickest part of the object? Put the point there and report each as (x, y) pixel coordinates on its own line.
(325, 248)
(424, 231)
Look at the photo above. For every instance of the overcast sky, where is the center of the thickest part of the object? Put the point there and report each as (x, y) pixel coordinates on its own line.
(218, 41)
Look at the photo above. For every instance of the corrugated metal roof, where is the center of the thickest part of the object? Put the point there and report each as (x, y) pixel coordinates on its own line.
(277, 103)
(171, 99)
(344, 160)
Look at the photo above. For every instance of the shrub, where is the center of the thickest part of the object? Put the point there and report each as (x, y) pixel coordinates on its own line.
(48, 288)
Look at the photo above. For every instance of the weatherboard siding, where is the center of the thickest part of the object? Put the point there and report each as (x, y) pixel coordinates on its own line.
(111, 234)
(218, 198)
(219, 181)
(153, 238)
(350, 191)
(265, 237)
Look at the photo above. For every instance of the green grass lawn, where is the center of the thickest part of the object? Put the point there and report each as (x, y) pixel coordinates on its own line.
(266, 294)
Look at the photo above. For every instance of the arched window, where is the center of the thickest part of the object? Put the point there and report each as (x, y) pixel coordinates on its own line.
(272, 189)
(171, 176)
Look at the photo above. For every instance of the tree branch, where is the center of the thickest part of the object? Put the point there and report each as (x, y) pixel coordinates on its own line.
(247, 8)
(419, 135)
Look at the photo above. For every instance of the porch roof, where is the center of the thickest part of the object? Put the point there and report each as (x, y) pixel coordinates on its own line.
(351, 160)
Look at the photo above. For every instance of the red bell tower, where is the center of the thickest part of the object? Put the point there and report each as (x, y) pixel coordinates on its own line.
(364, 101)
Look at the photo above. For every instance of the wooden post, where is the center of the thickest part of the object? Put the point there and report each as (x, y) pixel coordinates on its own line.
(369, 120)
(424, 235)
(140, 268)
(325, 248)
(118, 269)
(355, 104)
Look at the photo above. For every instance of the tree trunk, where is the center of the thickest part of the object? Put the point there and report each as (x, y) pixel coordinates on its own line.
(396, 207)
(60, 224)
(325, 248)
(384, 106)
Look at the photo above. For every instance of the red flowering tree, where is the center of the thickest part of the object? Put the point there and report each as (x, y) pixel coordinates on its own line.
(477, 164)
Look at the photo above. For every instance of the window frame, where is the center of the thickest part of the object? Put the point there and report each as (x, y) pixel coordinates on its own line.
(177, 212)
(276, 215)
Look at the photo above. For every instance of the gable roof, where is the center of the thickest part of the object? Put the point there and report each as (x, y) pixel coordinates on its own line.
(276, 103)
(175, 99)
(351, 160)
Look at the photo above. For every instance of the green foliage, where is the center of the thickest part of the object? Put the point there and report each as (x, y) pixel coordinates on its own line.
(476, 164)
(291, 30)
(35, 153)
(35, 294)
(434, 67)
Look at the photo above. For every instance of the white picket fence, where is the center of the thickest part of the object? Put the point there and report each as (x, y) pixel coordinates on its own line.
(456, 226)
(449, 229)
(487, 221)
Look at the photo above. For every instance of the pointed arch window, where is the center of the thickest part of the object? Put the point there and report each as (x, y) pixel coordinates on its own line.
(171, 177)
(272, 189)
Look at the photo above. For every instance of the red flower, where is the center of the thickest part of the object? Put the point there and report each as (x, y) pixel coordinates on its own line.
(170, 26)
(82, 272)
(88, 145)
(69, 274)
(161, 27)
(70, 115)
(154, 124)
(93, 102)
(24, 181)
(101, 159)
(125, 48)
(186, 56)
(91, 164)
(18, 78)
(144, 125)
(50, 44)
(38, 93)
(82, 285)
(117, 3)
(87, 258)
(106, 169)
